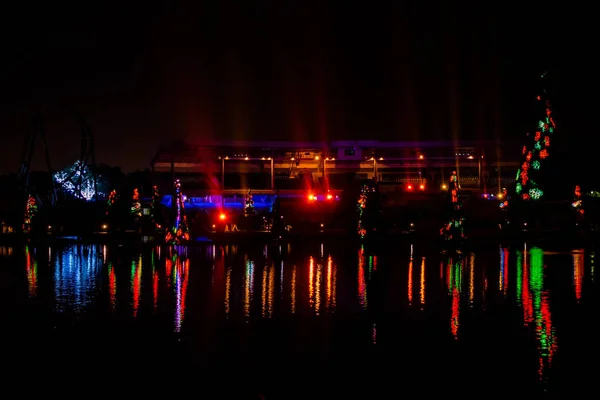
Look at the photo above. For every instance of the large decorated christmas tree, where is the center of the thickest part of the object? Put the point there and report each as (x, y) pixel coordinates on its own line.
(535, 152)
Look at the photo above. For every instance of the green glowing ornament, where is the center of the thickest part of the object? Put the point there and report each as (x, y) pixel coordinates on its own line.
(535, 193)
(519, 188)
(536, 164)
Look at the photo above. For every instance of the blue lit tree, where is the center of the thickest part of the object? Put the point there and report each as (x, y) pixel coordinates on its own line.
(78, 181)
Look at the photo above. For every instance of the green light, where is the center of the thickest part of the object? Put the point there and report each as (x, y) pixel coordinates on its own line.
(519, 278)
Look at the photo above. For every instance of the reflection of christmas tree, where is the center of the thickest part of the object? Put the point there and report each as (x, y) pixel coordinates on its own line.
(249, 204)
(136, 206)
(30, 211)
(179, 233)
(534, 154)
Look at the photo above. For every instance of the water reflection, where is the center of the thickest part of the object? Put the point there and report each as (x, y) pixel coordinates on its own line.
(112, 285)
(472, 279)
(362, 282)
(536, 308)
(154, 256)
(76, 268)
(248, 287)
(227, 292)
(331, 284)
(578, 257)
(455, 285)
(268, 290)
(181, 271)
(503, 278)
(293, 292)
(136, 284)
(31, 265)
(422, 283)
(272, 283)
(410, 280)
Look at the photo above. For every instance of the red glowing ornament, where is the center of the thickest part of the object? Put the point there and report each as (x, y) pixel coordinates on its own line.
(538, 135)
(547, 141)
(544, 154)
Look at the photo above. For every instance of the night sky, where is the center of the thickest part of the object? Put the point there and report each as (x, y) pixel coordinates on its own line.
(147, 73)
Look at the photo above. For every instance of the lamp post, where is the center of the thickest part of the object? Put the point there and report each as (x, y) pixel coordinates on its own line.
(222, 173)
(272, 173)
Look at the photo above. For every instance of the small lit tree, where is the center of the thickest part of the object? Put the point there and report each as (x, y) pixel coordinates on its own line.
(249, 204)
(453, 229)
(179, 232)
(112, 200)
(578, 203)
(30, 210)
(361, 206)
(136, 206)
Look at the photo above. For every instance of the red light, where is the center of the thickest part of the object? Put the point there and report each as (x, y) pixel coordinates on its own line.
(222, 216)
(311, 197)
(329, 197)
(409, 187)
(422, 187)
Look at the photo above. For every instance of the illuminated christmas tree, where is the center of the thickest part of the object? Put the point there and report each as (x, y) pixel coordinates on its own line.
(155, 207)
(180, 232)
(249, 204)
(535, 152)
(578, 203)
(454, 229)
(136, 206)
(112, 200)
(361, 206)
(30, 211)
(78, 180)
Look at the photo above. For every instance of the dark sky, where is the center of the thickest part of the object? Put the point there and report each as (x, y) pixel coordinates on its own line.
(146, 73)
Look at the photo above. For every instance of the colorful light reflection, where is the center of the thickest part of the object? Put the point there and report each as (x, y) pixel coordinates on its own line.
(536, 305)
(578, 268)
(76, 269)
(181, 271)
(31, 267)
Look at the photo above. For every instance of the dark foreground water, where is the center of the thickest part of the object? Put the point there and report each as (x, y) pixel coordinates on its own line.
(298, 321)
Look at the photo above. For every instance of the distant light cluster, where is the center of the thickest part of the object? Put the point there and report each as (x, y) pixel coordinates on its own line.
(77, 173)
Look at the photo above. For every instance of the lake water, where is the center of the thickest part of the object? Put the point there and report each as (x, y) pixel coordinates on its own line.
(302, 320)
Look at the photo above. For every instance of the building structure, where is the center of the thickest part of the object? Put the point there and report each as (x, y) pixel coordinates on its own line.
(270, 165)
